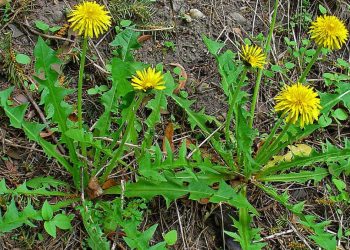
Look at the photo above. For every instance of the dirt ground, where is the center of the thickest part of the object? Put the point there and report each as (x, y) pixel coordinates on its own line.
(229, 21)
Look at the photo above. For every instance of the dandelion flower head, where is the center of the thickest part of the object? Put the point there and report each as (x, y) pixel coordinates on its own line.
(329, 32)
(298, 103)
(147, 79)
(253, 56)
(89, 19)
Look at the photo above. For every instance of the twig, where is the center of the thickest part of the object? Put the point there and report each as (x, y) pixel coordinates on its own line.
(300, 236)
(222, 226)
(206, 139)
(41, 114)
(148, 30)
(274, 235)
(180, 224)
(45, 35)
(12, 144)
(12, 18)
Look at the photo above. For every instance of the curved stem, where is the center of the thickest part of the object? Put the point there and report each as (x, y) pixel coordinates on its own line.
(311, 63)
(271, 150)
(269, 138)
(233, 103)
(258, 79)
(80, 91)
(130, 120)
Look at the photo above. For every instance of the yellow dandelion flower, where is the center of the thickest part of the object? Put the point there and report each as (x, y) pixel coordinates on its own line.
(298, 102)
(89, 19)
(253, 56)
(148, 79)
(329, 32)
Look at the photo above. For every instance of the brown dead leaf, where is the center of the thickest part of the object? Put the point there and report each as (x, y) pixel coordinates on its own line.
(237, 31)
(14, 153)
(144, 38)
(10, 167)
(73, 117)
(30, 114)
(164, 112)
(203, 201)
(94, 189)
(183, 76)
(189, 142)
(169, 133)
(109, 183)
(20, 98)
(46, 134)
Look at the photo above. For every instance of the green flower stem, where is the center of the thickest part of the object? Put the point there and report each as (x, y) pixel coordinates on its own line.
(80, 91)
(269, 138)
(244, 221)
(311, 63)
(271, 150)
(130, 120)
(232, 104)
(260, 72)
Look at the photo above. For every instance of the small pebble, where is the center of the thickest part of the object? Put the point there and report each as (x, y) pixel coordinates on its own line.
(57, 15)
(238, 18)
(15, 31)
(196, 14)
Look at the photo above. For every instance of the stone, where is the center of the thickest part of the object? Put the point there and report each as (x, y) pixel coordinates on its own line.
(238, 18)
(57, 15)
(196, 14)
(15, 31)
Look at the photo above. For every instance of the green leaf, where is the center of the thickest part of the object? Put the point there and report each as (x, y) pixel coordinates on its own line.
(212, 45)
(289, 65)
(330, 155)
(321, 237)
(54, 96)
(324, 121)
(55, 28)
(171, 237)
(43, 181)
(96, 239)
(303, 176)
(16, 219)
(16, 115)
(3, 188)
(136, 239)
(195, 118)
(45, 57)
(246, 236)
(41, 25)
(46, 211)
(341, 185)
(173, 189)
(50, 228)
(32, 130)
(120, 87)
(126, 41)
(276, 68)
(281, 198)
(229, 72)
(322, 9)
(340, 114)
(62, 221)
(11, 212)
(157, 104)
(22, 59)
(125, 23)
